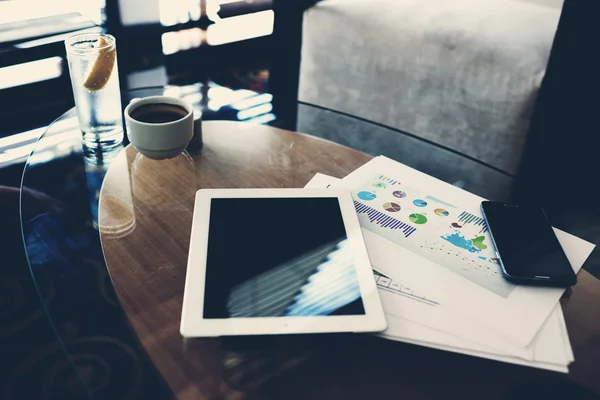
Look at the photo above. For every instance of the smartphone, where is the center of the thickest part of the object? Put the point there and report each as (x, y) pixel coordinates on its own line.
(526, 246)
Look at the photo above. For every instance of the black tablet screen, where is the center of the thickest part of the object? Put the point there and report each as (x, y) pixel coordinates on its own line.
(271, 257)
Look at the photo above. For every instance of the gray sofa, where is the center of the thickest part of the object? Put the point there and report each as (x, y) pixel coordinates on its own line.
(462, 73)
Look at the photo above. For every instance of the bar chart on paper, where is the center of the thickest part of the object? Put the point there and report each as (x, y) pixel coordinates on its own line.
(388, 180)
(379, 222)
(467, 218)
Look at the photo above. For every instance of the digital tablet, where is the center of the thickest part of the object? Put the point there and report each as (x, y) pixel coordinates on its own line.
(278, 261)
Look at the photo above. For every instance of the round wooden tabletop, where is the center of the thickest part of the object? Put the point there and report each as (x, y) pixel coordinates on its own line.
(145, 216)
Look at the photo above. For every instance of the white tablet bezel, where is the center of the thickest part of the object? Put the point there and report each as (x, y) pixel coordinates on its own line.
(193, 324)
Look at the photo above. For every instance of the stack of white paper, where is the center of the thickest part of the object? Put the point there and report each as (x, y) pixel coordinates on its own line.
(438, 278)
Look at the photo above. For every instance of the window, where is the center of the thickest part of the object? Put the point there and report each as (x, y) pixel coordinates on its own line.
(19, 11)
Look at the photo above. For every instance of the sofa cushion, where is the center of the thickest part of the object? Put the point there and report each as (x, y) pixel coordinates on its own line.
(548, 3)
(462, 73)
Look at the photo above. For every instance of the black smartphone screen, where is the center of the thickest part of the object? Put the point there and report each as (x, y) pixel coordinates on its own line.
(527, 245)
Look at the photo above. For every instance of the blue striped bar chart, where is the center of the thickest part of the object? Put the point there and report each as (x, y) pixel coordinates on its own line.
(390, 181)
(467, 218)
(383, 220)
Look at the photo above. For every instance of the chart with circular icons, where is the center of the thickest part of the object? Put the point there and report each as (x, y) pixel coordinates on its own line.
(420, 203)
(441, 212)
(419, 219)
(367, 196)
(425, 223)
(391, 207)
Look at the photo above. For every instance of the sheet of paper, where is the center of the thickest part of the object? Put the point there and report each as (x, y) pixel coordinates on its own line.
(437, 340)
(432, 234)
(548, 346)
(551, 348)
(401, 299)
(565, 333)
(322, 181)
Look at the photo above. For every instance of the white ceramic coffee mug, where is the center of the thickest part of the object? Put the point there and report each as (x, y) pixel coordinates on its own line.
(160, 140)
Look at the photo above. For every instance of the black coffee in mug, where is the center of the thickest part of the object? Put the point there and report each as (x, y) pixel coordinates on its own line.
(158, 113)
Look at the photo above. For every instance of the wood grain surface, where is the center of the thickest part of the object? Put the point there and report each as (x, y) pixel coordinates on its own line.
(145, 220)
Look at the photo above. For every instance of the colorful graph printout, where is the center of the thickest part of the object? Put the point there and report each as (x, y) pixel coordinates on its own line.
(381, 220)
(434, 229)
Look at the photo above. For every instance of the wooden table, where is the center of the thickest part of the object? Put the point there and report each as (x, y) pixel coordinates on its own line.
(145, 219)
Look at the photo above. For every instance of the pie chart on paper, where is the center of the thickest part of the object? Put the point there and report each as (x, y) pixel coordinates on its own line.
(367, 196)
(399, 194)
(420, 203)
(441, 212)
(419, 219)
(391, 207)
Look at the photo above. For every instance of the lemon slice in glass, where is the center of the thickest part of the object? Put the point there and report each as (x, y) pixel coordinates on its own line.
(102, 68)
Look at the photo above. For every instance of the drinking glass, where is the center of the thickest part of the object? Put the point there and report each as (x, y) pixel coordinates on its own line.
(113, 213)
(95, 79)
